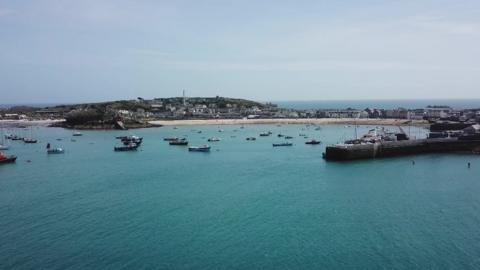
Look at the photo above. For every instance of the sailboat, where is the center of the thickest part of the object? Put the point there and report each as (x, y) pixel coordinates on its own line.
(2, 145)
(31, 139)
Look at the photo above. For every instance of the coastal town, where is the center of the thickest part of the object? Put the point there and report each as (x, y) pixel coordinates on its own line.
(142, 113)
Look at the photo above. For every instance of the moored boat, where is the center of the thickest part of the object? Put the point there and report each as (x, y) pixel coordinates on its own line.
(204, 148)
(265, 134)
(213, 139)
(15, 138)
(29, 140)
(251, 139)
(55, 150)
(169, 139)
(76, 133)
(288, 137)
(132, 139)
(129, 147)
(313, 141)
(179, 142)
(282, 144)
(7, 159)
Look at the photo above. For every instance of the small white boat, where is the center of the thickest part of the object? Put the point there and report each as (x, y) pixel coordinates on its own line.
(76, 133)
(214, 139)
(3, 147)
(56, 150)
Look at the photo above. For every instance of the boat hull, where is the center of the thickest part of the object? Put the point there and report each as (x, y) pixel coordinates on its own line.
(125, 149)
(10, 159)
(199, 149)
(183, 143)
(282, 144)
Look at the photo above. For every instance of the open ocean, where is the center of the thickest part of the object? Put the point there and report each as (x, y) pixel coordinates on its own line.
(245, 205)
(380, 104)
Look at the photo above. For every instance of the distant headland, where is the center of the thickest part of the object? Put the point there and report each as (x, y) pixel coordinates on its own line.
(143, 113)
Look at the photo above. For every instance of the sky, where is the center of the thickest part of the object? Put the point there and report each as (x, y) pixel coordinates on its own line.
(54, 51)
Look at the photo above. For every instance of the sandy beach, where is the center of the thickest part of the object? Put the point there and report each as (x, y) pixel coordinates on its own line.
(303, 121)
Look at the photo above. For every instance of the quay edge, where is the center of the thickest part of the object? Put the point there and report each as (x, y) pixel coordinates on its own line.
(400, 148)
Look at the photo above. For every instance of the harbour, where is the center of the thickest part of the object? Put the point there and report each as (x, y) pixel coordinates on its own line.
(94, 206)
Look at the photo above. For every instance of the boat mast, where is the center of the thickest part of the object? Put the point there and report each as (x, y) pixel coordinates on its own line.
(3, 136)
(356, 132)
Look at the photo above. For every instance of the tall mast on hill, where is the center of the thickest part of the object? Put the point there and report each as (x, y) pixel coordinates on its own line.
(184, 101)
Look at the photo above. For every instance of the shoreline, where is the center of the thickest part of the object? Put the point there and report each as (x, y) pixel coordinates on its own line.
(17, 123)
(266, 121)
(292, 121)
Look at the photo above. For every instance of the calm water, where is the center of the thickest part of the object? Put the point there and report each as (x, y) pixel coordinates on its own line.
(381, 104)
(245, 205)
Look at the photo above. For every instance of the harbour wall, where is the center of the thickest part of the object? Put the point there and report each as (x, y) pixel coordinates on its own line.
(400, 148)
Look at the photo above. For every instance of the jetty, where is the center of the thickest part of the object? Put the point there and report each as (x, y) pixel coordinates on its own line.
(382, 149)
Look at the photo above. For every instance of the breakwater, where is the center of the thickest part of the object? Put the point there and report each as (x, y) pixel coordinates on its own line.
(400, 148)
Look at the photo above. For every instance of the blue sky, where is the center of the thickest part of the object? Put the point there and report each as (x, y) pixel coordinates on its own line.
(92, 50)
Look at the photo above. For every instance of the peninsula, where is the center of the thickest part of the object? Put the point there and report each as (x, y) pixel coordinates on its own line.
(142, 113)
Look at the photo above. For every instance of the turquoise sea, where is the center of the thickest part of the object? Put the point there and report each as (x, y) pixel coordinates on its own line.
(245, 205)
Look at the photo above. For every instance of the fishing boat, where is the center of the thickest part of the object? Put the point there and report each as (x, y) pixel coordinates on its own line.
(55, 150)
(15, 138)
(7, 159)
(213, 139)
(204, 148)
(132, 139)
(29, 140)
(251, 139)
(282, 144)
(182, 141)
(313, 141)
(129, 147)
